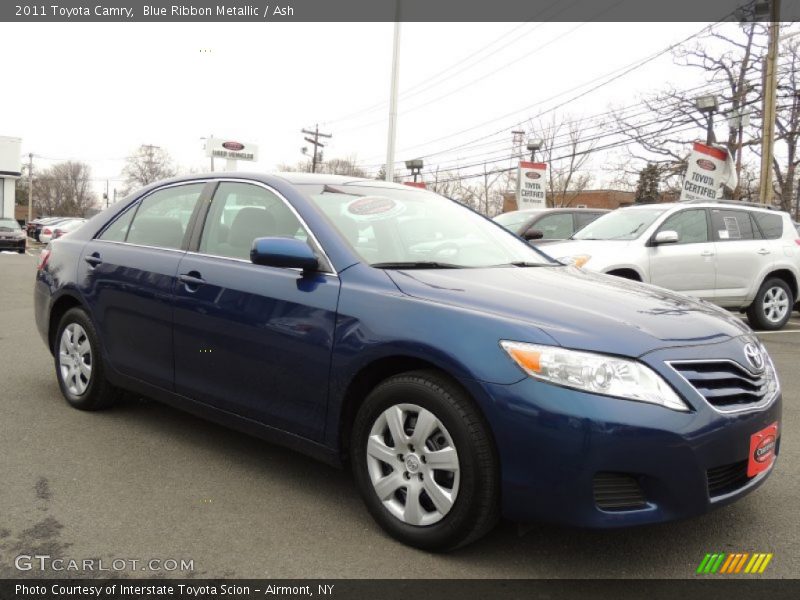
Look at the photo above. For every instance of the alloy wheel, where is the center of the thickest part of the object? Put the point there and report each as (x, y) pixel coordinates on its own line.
(775, 304)
(75, 359)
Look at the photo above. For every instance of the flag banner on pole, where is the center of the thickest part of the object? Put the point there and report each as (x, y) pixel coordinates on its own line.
(531, 185)
(709, 169)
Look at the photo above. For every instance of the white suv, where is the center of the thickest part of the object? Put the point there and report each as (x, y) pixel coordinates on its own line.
(733, 254)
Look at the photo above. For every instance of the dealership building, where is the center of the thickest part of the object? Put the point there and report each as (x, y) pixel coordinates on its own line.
(10, 171)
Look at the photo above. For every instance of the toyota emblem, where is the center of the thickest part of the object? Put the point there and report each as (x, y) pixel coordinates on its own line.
(754, 356)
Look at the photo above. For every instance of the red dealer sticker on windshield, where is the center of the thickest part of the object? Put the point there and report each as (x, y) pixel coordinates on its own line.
(762, 450)
(374, 207)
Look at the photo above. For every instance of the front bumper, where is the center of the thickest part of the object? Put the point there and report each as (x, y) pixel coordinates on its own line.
(554, 441)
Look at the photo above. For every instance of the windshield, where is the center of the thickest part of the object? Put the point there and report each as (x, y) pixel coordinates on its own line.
(9, 225)
(391, 227)
(621, 224)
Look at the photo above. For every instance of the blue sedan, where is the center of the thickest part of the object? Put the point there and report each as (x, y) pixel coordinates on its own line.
(460, 373)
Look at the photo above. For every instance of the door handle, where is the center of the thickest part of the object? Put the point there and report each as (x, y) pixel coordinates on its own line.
(707, 253)
(763, 251)
(191, 279)
(94, 260)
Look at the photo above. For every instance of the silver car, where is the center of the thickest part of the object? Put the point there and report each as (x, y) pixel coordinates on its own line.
(735, 255)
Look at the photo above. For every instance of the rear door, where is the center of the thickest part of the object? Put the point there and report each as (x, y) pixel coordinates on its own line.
(251, 339)
(742, 254)
(127, 274)
(688, 266)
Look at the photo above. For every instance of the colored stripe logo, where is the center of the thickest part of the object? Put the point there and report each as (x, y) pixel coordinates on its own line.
(733, 563)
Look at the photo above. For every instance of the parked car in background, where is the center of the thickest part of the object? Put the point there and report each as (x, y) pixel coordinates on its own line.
(12, 237)
(66, 227)
(40, 224)
(460, 373)
(543, 225)
(733, 254)
(46, 234)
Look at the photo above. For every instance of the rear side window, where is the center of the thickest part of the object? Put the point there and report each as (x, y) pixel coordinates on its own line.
(163, 216)
(732, 225)
(240, 213)
(690, 225)
(771, 226)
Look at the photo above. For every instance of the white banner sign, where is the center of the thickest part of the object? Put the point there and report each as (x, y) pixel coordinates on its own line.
(10, 156)
(231, 150)
(708, 170)
(531, 185)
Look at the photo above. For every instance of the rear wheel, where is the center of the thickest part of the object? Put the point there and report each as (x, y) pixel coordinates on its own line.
(424, 462)
(772, 306)
(79, 367)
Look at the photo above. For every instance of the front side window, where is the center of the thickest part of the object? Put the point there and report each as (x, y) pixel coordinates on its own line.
(163, 217)
(690, 225)
(557, 226)
(240, 213)
(731, 225)
(621, 224)
(393, 227)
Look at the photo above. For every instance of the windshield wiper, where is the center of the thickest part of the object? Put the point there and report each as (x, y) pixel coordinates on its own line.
(415, 265)
(524, 263)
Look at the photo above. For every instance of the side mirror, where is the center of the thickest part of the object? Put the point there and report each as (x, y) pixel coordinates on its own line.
(287, 253)
(666, 237)
(533, 234)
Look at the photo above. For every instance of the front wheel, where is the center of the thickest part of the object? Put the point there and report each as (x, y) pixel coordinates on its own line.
(79, 366)
(424, 462)
(772, 306)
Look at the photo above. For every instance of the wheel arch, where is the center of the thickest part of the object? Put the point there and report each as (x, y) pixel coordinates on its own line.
(785, 275)
(380, 369)
(625, 273)
(59, 308)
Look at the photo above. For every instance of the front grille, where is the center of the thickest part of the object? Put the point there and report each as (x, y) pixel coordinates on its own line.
(724, 383)
(617, 491)
(727, 478)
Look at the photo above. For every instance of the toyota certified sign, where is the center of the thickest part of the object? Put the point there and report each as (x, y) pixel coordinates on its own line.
(231, 149)
(708, 169)
(531, 191)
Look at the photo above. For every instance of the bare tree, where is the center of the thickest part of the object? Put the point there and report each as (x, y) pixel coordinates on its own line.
(566, 152)
(668, 122)
(335, 166)
(64, 189)
(147, 165)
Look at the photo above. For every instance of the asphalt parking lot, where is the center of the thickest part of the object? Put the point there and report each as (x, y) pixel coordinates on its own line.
(144, 481)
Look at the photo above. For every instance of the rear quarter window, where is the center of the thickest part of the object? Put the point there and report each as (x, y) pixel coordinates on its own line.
(771, 226)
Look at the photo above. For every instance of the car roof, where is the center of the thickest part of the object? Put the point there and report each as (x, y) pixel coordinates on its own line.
(709, 204)
(555, 209)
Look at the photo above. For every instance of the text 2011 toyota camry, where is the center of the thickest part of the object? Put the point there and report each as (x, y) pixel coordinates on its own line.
(461, 373)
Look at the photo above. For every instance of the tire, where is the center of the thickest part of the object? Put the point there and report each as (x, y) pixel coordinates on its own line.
(79, 366)
(21, 250)
(464, 499)
(772, 307)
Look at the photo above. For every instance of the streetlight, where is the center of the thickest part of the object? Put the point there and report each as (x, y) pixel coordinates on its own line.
(708, 105)
(415, 166)
(533, 145)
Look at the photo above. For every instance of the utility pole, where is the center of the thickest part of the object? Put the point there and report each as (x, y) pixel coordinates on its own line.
(390, 143)
(765, 191)
(317, 144)
(30, 187)
(106, 194)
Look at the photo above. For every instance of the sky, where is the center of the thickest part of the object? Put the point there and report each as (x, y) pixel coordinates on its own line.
(95, 92)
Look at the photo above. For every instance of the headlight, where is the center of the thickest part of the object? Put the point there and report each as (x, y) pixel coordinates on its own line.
(576, 261)
(595, 373)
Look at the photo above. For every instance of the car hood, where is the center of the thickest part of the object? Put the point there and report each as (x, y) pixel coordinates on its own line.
(578, 309)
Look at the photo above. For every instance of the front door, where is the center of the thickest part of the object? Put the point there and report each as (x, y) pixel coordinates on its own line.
(251, 339)
(688, 266)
